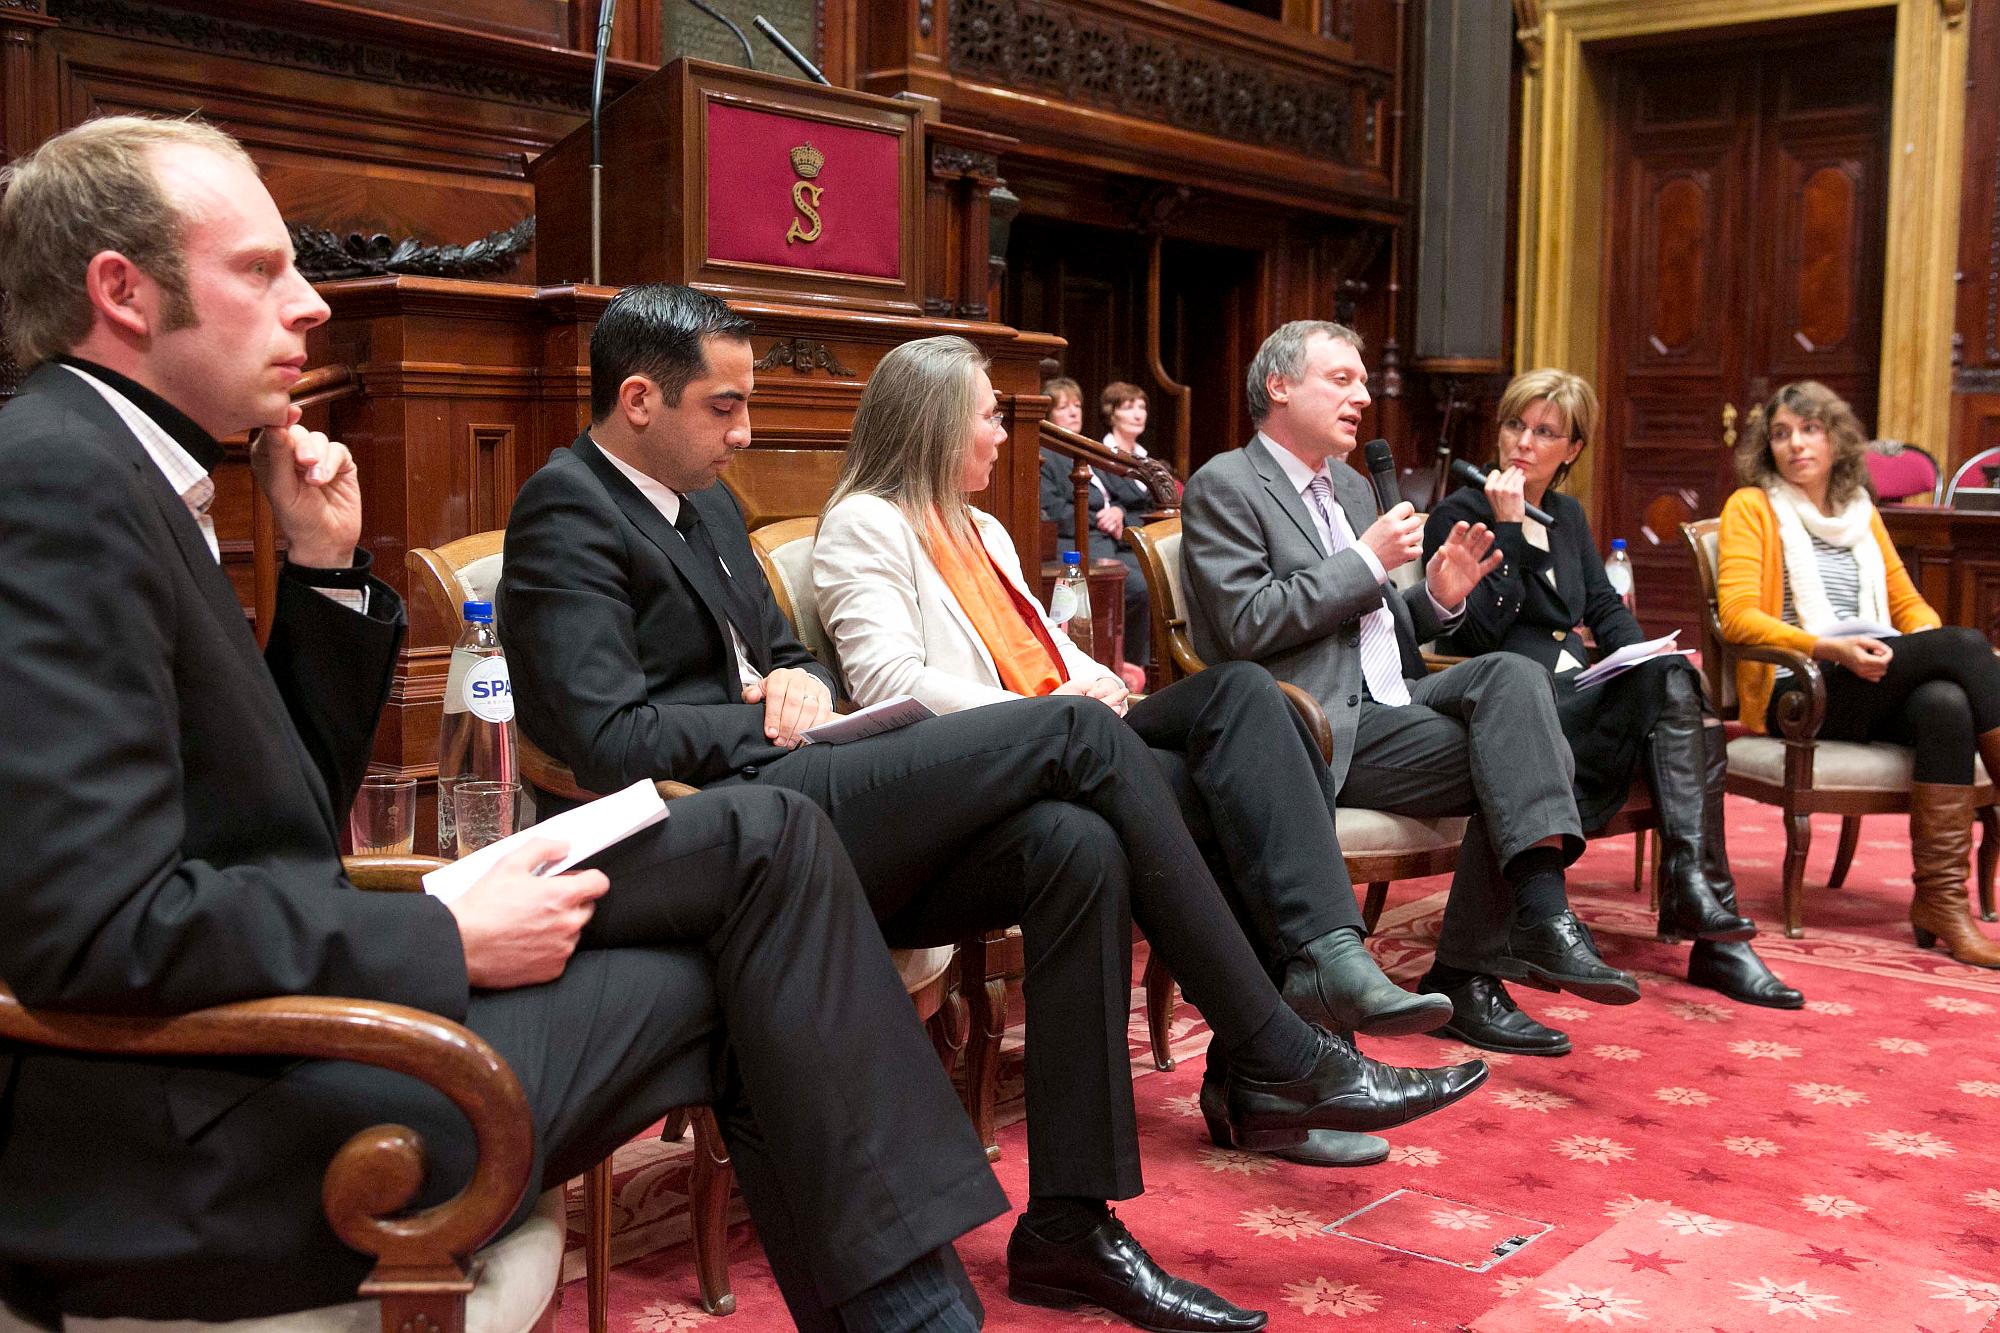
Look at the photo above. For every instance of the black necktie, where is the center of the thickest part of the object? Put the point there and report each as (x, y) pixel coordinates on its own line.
(737, 604)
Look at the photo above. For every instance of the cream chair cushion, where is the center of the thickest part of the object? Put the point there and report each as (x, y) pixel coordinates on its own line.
(481, 578)
(1837, 765)
(794, 561)
(1369, 832)
(920, 967)
(517, 1280)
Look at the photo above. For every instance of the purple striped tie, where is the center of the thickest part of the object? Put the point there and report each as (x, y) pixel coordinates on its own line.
(1381, 659)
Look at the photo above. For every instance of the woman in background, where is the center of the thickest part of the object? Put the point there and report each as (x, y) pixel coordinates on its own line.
(1651, 721)
(1107, 517)
(1806, 564)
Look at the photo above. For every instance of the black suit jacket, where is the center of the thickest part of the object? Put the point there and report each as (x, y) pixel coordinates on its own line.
(1059, 502)
(169, 800)
(616, 638)
(1516, 607)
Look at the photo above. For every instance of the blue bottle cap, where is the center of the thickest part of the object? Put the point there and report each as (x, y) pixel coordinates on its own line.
(479, 613)
(1072, 558)
(1617, 543)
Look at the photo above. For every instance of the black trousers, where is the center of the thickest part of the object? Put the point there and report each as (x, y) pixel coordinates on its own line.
(1479, 739)
(738, 919)
(1051, 813)
(1259, 800)
(1941, 691)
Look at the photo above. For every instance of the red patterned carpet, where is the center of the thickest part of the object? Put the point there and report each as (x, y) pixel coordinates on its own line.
(1693, 1164)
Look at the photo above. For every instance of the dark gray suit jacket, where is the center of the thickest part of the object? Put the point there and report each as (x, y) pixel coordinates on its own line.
(1260, 588)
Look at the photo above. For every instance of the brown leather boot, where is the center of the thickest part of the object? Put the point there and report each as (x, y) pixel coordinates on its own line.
(1989, 752)
(1940, 847)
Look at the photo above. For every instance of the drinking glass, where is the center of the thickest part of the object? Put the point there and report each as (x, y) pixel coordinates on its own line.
(383, 819)
(484, 812)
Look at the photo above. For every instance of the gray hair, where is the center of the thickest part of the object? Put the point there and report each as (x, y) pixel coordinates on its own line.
(1284, 355)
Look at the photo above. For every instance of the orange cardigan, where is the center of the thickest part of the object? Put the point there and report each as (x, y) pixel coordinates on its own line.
(1750, 594)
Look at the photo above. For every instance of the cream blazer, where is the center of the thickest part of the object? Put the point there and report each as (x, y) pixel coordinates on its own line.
(896, 626)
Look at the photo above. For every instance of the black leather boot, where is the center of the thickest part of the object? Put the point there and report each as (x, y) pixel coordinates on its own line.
(1677, 771)
(1734, 969)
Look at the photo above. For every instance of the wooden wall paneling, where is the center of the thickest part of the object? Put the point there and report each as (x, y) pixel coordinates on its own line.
(1976, 343)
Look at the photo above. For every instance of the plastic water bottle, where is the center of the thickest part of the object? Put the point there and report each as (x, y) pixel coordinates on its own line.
(476, 737)
(1069, 602)
(1618, 571)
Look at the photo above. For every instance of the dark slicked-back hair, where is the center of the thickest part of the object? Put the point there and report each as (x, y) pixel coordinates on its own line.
(659, 331)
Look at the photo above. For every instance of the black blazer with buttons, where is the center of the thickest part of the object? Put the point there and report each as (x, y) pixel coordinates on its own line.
(616, 638)
(1516, 607)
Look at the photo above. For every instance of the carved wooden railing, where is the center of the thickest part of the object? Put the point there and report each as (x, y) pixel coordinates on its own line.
(1085, 453)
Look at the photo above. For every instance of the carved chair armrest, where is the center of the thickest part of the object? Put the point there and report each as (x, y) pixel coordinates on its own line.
(390, 874)
(1801, 713)
(1186, 659)
(1314, 716)
(672, 791)
(1436, 662)
(375, 1175)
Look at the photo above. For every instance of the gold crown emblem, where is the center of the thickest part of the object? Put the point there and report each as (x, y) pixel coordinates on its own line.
(807, 160)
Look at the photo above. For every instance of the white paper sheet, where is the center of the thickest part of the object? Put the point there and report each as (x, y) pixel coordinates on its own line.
(586, 830)
(1628, 657)
(889, 715)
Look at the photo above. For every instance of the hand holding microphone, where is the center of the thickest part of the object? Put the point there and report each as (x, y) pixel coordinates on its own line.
(1466, 473)
(1397, 537)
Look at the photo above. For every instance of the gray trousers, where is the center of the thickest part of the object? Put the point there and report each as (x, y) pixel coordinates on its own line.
(1480, 739)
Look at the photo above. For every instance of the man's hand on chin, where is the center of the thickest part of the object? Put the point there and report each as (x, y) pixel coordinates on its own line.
(794, 702)
(314, 489)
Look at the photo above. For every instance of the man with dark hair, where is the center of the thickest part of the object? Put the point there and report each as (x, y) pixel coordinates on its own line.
(1286, 564)
(171, 822)
(644, 643)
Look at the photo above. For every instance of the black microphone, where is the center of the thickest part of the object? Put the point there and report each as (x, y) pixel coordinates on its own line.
(792, 53)
(604, 17)
(749, 58)
(1382, 471)
(1472, 476)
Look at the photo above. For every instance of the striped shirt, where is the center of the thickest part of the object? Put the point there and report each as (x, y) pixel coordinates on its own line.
(1841, 577)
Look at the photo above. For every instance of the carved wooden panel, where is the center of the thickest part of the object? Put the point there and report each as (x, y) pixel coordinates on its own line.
(1829, 227)
(1680, 222)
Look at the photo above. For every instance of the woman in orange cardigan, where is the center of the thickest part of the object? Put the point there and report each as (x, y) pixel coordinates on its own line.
(1806, 564)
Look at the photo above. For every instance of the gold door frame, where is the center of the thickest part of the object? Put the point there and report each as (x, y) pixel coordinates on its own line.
(1565, 113)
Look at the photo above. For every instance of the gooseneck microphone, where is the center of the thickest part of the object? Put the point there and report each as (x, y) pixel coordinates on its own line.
(1472, 476)
(1382, 471)
(792, 53)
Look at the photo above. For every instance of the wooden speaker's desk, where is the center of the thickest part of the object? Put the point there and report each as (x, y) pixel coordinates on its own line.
(1954, 557)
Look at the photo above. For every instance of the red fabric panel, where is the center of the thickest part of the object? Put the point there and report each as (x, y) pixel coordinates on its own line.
(1899, 476)
(750, 178)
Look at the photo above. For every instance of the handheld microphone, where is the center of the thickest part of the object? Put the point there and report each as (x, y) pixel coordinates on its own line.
(1382, 471)
(1472, 476)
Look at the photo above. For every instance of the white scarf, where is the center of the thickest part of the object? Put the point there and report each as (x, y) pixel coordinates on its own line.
(1799, 521)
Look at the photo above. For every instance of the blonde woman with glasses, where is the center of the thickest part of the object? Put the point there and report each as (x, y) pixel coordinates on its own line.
(1651, 721)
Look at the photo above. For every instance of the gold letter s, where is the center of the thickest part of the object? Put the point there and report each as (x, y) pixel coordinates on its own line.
(801, 189)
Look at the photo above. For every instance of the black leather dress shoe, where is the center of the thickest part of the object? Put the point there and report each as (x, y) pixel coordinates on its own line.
(1485, 1015)
(1312, 1147)
(1737, 971)
(1345, 1091)
(1108, 1268)
(1559, 954)
(1334, 981)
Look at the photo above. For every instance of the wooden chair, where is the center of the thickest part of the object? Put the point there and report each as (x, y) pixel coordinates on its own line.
(467, 570)
(1801, 774)
(430, 1272)
(1377, 846)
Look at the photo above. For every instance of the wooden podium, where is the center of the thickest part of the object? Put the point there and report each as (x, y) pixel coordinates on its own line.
(453, 392)
(746, 185)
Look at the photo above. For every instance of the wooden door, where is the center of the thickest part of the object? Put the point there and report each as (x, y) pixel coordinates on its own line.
(1742, 250)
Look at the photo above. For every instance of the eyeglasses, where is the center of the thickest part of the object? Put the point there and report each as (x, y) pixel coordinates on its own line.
(1539, 434)
(997, 417)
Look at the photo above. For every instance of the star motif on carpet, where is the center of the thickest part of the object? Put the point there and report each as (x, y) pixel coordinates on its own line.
(1207, 1261)
(1640, 1120)
(1796, 1119)
(1833, 1258)
(1703, 1175)
(1945, 1115)
(1602, 1307)
(1790, 1298)
(1528, 1180)
(1655, 1262)
(1481, 1126)
(1871, 1171)
(1724, 1071)
(1977, 1240)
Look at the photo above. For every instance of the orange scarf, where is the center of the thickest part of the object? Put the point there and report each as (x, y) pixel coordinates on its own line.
(1023, 651)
